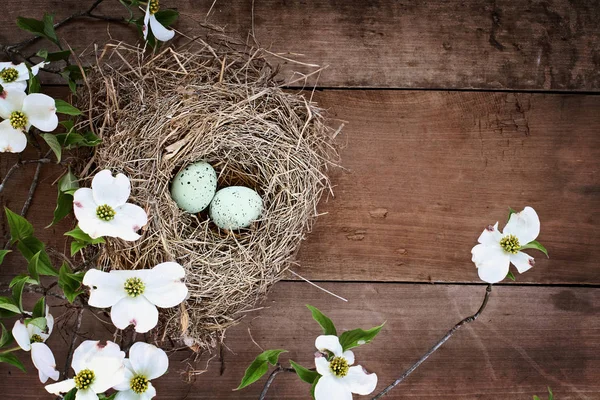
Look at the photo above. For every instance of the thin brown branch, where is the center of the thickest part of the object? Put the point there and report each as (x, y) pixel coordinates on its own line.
(443, 340)
(32, 187)
(275, 372)
(72, 344)
(18, 165)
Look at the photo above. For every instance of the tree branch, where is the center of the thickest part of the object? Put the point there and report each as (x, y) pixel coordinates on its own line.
(72, 345)
(275, 372)
(18, 165)
(443, 340)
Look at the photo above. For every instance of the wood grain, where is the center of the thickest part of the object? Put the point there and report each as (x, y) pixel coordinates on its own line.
(424, 173)
(498, 44)
(527, 339)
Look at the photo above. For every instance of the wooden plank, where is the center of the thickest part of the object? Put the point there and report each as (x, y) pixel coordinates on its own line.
(528, 338)
(425, 173)
(411, 44)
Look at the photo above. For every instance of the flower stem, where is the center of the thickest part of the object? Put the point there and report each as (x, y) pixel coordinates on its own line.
(275, 372)
(11, 350)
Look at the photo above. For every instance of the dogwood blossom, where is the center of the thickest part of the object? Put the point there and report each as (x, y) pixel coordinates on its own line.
(31, 338)
(146, 362)
(103, 210)
(135, 294)
(497, 250)
(98, 367)
(338, 379)
(20, 111)
(158, 30)
(15, 76)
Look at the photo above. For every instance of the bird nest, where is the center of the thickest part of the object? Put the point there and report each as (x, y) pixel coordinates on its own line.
(158, 113)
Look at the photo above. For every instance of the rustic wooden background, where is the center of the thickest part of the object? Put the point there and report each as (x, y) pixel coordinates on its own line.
(454, 110)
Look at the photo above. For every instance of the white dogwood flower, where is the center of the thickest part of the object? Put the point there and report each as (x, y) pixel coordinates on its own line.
(496, 250)
(98, 367)
(31, 338)
(338, 379)
(103, 210)
(158, 30)
(146, 362)
(20, 111)
(15, 76)
(135, 294)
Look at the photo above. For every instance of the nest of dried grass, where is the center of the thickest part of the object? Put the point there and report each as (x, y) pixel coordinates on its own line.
(158, 113)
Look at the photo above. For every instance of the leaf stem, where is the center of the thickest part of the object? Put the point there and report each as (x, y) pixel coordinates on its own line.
(276, 371)
(11, 350)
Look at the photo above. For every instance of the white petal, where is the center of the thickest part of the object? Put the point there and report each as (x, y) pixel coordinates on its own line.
(164, 287)
(22, 71)
(92, 349)
(16, 85)
(146, 20)
(11, 100)
(61, 387)
(49, 321)
(108, 371)
(87, 394)
(349, 356)
(6, 65)
(43, 377)
(322, 366)
(128, 219)
(11, 140)
(329, 342)
(110, 190)
(127, 395)
(331, 388)
(522, 261)
(106, 289)
(84, 207)
(490, 235)
(40, 110)
(128, 374)
(44, 361)
(159, 31)
(21, 335)
(148, 360)
(36, 68)
(525, 225)
(359, 382)
(149, 393)
(492, 262)
(136, 311)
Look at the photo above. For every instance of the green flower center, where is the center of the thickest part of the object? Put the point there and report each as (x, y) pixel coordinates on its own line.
(153, 7)
(84, 379)
(134, 287)
(339, 366)
(139, 384)
(36, 339)
(105, 212)
(510, 244)
(9, 75)
(18, 120)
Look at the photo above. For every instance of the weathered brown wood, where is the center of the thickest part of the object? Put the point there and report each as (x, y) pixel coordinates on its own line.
(425, 172)
(527, 339)
(411, 44)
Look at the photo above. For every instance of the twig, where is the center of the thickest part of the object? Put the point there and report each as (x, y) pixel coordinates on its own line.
(34, 183)
(72, 345)
(448, 335)
(19, 164)
(275, 372)
(317, 286)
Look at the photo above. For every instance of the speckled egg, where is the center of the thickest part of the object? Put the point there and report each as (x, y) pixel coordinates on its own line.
(194, 187)
(235, 207)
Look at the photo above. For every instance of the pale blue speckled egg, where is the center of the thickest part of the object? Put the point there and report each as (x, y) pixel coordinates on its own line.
(235, 207)
(194, 187)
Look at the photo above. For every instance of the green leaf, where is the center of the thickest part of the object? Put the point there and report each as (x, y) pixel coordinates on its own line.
(358, 337)
(18, 284)
(534, 244)
(71, 395)
(75, 139)
(6, 337)
(34, 85)
(167, 17)
(40, 322)
(510, 212)
(81, 236)
(55, 56)
(535, 397)
(39, 310)
(3, 254)
(550, 394)
(62, 107)
(76, 245)
(9, 305)
(511, 276)
(69, 282)
(32, 245)
(51, 140)
(64, 201)
(49, 31)
(33, 266)
(10, 358)
(323, 320)
(304, 374)
(20, 228)
(260, 366)
(314, 385)
(31, 25)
